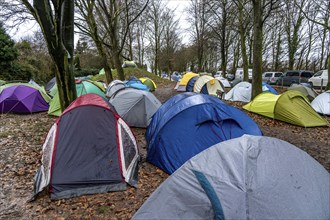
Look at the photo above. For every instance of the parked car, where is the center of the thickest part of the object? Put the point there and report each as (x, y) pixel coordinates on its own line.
(271, 77)
(319, 79)
(239, 74)
(294, 77)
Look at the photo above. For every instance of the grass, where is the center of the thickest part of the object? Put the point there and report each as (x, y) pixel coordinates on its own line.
(137, 72)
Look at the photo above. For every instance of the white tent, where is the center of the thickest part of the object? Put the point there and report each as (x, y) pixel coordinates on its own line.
(240, 93)
(321, 103)
(208, 85)
(251, 177)
(224, 81)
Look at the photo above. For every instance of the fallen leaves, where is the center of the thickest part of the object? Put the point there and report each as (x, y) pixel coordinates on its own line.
(21, 138)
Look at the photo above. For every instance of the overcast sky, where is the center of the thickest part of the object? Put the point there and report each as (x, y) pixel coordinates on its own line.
(180, 5)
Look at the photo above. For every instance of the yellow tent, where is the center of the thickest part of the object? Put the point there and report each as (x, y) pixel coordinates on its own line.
(186, 77)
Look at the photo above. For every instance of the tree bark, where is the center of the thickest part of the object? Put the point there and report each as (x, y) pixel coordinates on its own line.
(257, 48)
(243, 41)
(58, 33)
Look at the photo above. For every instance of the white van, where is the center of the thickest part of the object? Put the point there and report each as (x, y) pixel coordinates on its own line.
(319, 79)
(240, 74)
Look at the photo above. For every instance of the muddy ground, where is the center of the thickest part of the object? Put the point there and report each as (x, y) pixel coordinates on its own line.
(21, 138)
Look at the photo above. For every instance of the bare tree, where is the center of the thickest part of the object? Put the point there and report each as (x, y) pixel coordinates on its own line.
(322, 10)
(114, 19)
(198, 13)
(88, 26)
(56, 22)
(243, 24)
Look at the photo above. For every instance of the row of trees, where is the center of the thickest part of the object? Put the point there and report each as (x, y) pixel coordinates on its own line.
(262, 34)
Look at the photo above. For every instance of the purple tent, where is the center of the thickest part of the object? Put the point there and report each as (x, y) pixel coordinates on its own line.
(22, 98)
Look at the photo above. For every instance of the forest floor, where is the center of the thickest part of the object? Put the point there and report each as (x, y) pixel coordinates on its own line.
(21, 139)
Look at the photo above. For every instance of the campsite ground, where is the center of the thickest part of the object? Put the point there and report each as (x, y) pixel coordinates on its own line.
(21, 137)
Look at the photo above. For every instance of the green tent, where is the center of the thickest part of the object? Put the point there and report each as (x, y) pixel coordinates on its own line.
(2, 82)
(148, 82)
(291, 107)
(82, 87)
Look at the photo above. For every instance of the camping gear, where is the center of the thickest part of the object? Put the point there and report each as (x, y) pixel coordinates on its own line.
(2, 82)
(129, 64)
(51, 87)
(135, 106)
(88, 150)
(184, 81)
(191, 83)
(114, 87)
(135, 83)
(291, 107)
(23, 98)
(208, 85)
(149, 82)
(308, 92)
(321, 103)
(224, 81)
(82, 87)
(268, 88)
(249, 177)
(188, 123)
(241, 92)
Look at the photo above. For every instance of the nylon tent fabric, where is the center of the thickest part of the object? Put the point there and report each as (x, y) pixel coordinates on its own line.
(208, 85)
(114, 87)
(82, 87)
(291, 107)
(308, 92)
(241, 92)
(268, 88)
(135, 106)
(51, 87)
(191, 83)
(182, 84)
(129, 64)
(249, 177)
(23, 98)
(135, 83)
(187, 124)
(149, 82)
(186, 77)
(88, 150)
(224, 81)
(321, 103)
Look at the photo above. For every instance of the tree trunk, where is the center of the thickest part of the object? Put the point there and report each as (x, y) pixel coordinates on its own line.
(58, 33)
(257, 48)
(328, 85)
(278, 52)
(243, 43)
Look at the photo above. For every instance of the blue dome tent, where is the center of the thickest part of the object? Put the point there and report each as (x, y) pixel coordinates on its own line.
(268, 88)
(135, 83)
(189, 123)
(191, 83)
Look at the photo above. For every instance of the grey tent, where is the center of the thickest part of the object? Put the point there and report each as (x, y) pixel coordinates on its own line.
(251, 177)
(135, 106)
(310, 93)
(88, 150)
(114, 87)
